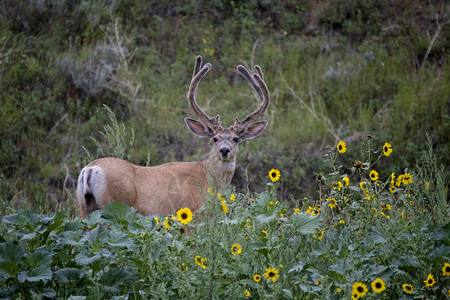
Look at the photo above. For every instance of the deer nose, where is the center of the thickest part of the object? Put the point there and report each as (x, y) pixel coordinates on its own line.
(224, 152)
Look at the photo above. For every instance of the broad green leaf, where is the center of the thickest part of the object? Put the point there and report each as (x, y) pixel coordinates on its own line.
(71, 238)
(48, 293)
(77, 297)
(84, 260)
(11, 252)
(298, 267)
(118, 211)
(114, 278)
(306, 223)
(376, 235)
(287, 293)
(309, 288)
(67, 275)
(27, 237)
(40, 258)
(120, 239)
(263, 219)
(97, 237)
(39, 274)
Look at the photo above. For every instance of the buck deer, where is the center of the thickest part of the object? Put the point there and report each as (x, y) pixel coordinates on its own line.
(168, 187)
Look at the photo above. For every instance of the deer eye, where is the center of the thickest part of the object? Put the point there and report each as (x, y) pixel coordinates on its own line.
(215, 139)
(236, 140)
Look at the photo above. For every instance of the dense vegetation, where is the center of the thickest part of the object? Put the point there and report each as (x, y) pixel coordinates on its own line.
(337, 70)
(87, 79)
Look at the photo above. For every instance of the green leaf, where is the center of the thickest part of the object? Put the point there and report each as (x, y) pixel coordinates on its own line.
(298, 267)
(376, 235)
(96, 237)
(118, 212)
(309, 288)
(84, 260)
(306, 223)
(409, 264)
(10, 258)
(35, 275)
(263, 219)
(77, 297)
(114, 278)
(120, 239)
(287, 293)
(71, 238)
(67, 275)
(40, 258)
(259, 247)
(48, 293)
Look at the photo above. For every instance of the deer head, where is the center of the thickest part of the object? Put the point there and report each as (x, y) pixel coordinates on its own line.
(226, 140)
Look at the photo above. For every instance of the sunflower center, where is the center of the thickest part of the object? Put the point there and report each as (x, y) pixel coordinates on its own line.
(408, 287)
(386, 149)
(274, 174)
(447, 269)
(378, 285)
(271, 274)
(360, 289)
(184, 216)
(340, 147)
(430, 281)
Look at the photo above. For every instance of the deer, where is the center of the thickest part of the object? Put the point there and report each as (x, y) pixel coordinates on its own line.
(166, 188)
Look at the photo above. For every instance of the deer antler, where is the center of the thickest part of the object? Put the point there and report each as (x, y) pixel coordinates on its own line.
(259, 86)
(199, 73)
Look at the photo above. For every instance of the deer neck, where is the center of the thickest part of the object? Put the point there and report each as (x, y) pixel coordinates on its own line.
(219, 172)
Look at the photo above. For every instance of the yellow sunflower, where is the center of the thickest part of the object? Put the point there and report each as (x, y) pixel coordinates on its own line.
(359, 289)
(224, 206)
(346, 180)
(200, 261)
(407, 288)
(247, 293)
(407, 179)
(364, 185)
(166, 224)
(272, 274)
(373, 175)
(257, 278)
(337, 185)
(236, 249)
(332, 202)
(378, 285)
(446, 269)
(184, 215)
(341, 147)
(274, 175)
(430, 280)
(387, 149)
(319, 234)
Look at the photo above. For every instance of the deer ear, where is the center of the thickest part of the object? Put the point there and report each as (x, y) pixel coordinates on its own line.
(198, 128)
(253, 130)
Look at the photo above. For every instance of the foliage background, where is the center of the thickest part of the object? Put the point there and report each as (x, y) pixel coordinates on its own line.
(337, 70)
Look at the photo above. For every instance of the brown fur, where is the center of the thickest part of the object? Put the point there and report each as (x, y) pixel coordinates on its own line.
(166, 188)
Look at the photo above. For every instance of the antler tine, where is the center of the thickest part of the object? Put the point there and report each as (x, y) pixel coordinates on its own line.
(198, 75)
(260, 72)
(262, 92)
